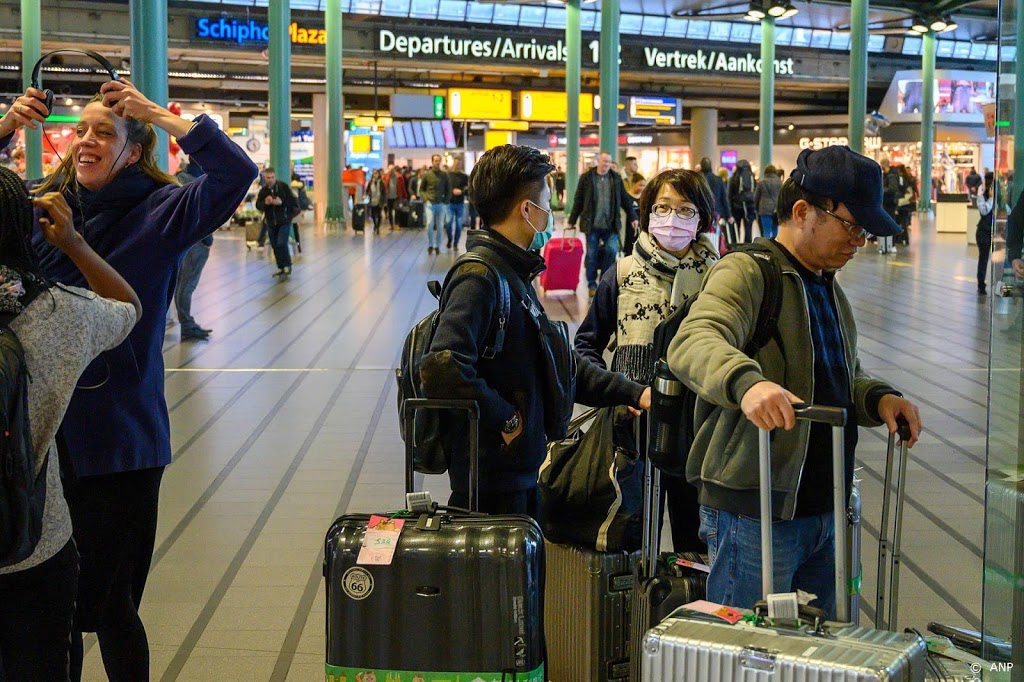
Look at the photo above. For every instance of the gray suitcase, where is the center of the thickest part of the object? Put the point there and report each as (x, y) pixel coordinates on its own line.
(587, 625)
(698, 648)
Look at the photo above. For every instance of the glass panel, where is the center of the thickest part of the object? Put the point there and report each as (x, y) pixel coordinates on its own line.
(452, 10)
(801, 37)
(424, 9)
(741, 32)
(840, 41)
(992, 54)
(556, 18)
(590, 21)
(719, 30)
(654, 26)
(755, 33)
(506, 14)
(876, 43)
(395, 8)
(480, 13)
(821, 39)
(962, 50)
(912, 45)
(699, 30)
(371, 7)
(631, 23)
(979, 50)
(783, 35)
(531, 16)
(1002, 597)
(676, 28)
(944, 48)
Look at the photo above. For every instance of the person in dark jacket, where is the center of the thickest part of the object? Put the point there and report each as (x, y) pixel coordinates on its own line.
(741, 198)
(458, 181)
(599, 197)
(519, 411)
(766, 197)
(191, 270)
(141, 221)
(1015, 239)
(394, 184)
(892, 190)
(986, 210)
(718, 191)
(279, 206)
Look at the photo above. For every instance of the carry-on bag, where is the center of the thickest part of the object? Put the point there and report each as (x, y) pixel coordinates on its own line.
(447, 594)
(359, 217)
(564, 259)
(706, 648)
(253, 229)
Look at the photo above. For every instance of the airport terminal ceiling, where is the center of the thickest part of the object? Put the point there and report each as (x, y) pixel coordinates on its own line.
(235, 71)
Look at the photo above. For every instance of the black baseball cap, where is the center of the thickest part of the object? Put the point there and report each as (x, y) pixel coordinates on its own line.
(843, 175)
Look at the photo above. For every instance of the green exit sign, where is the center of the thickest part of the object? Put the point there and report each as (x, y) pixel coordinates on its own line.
(438, 106)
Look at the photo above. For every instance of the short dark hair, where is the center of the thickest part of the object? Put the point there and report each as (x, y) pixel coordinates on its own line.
(792, 193)
(705, 165)
(269, 169)
(630, 158)
(503, 177)
(691, 185)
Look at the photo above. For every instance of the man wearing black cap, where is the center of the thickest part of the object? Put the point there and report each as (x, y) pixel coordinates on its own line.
(831, 202)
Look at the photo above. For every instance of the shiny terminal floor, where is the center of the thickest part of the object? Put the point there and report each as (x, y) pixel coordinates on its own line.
(286, 418)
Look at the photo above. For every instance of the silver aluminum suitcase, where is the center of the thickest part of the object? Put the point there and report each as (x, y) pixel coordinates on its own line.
(698, 649)
(587, 625)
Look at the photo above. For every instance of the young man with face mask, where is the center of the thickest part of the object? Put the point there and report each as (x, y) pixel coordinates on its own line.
(519, 413)
(831, 202)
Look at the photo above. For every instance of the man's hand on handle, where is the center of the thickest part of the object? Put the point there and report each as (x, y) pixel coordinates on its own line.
(892, 406)
(769, 406)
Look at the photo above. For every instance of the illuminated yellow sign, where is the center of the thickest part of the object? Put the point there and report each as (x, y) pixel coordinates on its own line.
(537, 105)
(479, 104)
(521, 126)
(360, 144)
(307, 36)
(496, 138)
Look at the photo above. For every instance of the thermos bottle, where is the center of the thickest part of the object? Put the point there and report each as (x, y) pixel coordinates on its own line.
(667, 405)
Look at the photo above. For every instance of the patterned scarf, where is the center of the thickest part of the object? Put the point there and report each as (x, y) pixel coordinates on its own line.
(11, 291)
(655, 284)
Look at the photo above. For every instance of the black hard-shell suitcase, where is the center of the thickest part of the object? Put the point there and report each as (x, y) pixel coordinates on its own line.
(359, 217)
(462, 598)
(417, 215)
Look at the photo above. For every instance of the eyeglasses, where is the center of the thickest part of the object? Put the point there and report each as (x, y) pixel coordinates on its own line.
(662, 210)
(855, 230)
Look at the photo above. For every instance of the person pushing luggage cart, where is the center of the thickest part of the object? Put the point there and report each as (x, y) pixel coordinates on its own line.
(827, 207)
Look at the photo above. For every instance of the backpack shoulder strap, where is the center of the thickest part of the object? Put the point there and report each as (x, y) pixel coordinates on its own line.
(496, 334)
(767, 325)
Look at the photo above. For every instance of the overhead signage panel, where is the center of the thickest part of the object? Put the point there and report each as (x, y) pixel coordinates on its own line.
(415, 106)
(647, 110)
(479, 104)
(538, 105)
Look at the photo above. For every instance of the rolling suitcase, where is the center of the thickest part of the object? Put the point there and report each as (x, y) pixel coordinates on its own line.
(564, 259)
(417, 218)
(460, 599)
(359, 217)
(701, 648)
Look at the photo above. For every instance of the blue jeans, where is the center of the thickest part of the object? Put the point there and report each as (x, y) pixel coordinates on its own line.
(804, 558)
(454, 226)
(602, 246)
(279, 235)
(435, 218)
(768, 227)
(188, 279)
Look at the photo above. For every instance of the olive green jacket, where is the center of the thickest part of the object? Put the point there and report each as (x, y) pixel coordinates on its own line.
(706, 356)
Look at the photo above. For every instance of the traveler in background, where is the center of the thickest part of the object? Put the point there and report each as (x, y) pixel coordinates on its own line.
(766, 197)
(522, 406)
(825, 209)
(599, 196)
(892, 185)
(304, 204)
(560, 185)
(190, 270)
(458, 181)
(631, 175)
(639, 185)
(394, 183)
(414, 183)
(986, 209)
(377, 195)
(61, 330)
(973, 183)
(435, 191)
(667, 266)
(906, 206)
(723, 174)
(278, 205)
(117, 427)
(1008, 196)
(741, 199)
(719, 192)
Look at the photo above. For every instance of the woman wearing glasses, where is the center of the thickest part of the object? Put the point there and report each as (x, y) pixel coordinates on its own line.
(672, 253)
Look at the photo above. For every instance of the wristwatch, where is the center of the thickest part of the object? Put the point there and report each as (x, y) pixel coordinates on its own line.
(511, 424)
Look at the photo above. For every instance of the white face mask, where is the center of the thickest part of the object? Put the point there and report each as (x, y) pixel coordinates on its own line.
(672, 232)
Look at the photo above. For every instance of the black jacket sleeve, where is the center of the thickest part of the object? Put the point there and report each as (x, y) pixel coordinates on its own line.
(578, 199)
(1015, 232)
(598, 387)
(261, 199)
(598, 326)
(291, 204)
(449, 369)
(627, 203)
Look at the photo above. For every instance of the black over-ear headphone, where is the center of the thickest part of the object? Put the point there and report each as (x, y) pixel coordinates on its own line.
(96, 56)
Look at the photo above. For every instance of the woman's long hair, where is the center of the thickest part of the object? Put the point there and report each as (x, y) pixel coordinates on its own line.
(138, 133)
(16, 216)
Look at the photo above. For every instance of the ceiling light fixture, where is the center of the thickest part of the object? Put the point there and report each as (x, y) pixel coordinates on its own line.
(934, 24)
(776, 11)
(756, 12)
(790, 11)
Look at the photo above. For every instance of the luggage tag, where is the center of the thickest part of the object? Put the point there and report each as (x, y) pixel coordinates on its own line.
(686, 563)
(726, 613)
(380, 541)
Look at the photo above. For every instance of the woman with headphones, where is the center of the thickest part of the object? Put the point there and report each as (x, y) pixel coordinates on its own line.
(117, 427)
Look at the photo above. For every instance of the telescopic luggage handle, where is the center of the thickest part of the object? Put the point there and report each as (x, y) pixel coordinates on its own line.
(885, 615)
(836, 418)
(472, 409)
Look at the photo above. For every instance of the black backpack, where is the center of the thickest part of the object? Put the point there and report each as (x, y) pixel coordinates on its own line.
(431, 447)
(746, 185)
(22, 492)
(766, 328)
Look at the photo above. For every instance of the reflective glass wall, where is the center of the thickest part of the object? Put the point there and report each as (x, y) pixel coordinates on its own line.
(1003, 608)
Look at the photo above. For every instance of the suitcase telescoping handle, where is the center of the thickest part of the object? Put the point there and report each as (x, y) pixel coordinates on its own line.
(472, 409)
(836, 418)
(885, 616)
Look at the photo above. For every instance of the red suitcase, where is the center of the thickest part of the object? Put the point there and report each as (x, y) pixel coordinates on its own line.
(564, 258)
